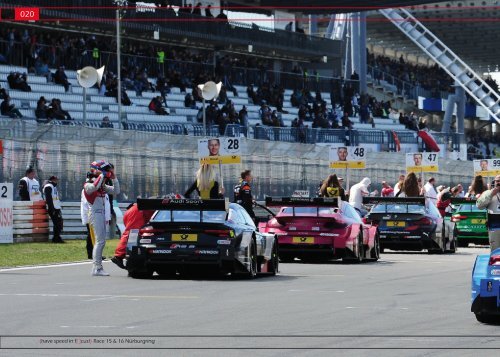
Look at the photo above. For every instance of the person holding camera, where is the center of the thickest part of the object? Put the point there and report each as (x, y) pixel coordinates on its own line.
(95, 191)
(490, 200)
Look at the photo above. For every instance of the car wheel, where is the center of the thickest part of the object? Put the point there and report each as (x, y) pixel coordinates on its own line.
(453, 246)
(273, 264)
(252, 258)
(488, 319)
(375, 253)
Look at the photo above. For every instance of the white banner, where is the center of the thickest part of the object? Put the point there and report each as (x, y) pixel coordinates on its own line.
(220, 150)
(6, 214)
(343, 157)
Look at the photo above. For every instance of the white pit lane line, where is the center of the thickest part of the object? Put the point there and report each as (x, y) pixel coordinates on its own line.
(47, 266)
(103, 296)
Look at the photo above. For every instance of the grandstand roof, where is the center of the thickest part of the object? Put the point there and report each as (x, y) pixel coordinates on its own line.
(331, 6)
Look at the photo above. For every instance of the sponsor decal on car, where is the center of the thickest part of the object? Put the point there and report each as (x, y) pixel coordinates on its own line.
(495, 271)
(206, 252)
(161, 251)
(223, 242)
(329, 234)
(144, 240)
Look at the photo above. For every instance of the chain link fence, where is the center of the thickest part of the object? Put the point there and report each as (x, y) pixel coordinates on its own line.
(153, 164)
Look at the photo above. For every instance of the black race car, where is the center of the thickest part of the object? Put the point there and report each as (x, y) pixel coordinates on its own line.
(186, 235)
(407, 224)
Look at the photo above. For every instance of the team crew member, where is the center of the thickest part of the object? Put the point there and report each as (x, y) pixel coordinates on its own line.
(245, 198)
(331, 188)
(133, 219)
(95, 194)
(54, 207)
(430, 190)
(112, 221)
(490, 200)
(205, 184)
(29, 187)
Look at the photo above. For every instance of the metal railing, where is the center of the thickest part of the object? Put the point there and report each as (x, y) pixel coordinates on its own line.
(181, 25)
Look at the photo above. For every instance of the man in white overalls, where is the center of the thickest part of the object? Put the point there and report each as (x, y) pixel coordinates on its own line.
(29, 187)
(95, 194)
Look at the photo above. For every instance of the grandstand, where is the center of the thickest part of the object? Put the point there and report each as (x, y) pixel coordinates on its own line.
(383, 85)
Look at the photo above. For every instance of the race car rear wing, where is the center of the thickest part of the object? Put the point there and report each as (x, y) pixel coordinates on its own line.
(461, 200)
(184, 204)
(401, 200)
(302, 201)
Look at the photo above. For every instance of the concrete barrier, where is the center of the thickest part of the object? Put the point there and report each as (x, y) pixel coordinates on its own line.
(31, 222)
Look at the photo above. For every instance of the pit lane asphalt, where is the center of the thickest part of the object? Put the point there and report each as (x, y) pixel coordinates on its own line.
(403, 301)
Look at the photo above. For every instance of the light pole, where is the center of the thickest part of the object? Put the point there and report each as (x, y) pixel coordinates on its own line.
(119, 4)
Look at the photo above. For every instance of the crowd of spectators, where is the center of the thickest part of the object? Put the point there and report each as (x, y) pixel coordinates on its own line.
(52, 111)
(482, 145)
(431, 78)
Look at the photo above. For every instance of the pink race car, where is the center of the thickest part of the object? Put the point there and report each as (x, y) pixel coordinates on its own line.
(314, 229)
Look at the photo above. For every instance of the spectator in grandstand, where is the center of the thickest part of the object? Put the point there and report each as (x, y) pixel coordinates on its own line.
(61, 78)
(3, 93)
(410, 187)
(399, 184)
(346, 122)
(162, 86)
(422, 123)
(243, 116)
(189, 101)
(56, 111)
(197, 9)
(105, 123)
(477, 187)
(18, 81)
(156, 106)
(222, 17)
(41, 108)
(9, 110)
(208, 12)
(42, 69)
(387, 190)
(331, 188)
(430, 190)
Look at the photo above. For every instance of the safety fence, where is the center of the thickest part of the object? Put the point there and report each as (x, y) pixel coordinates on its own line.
(154, 164)
(384, 138)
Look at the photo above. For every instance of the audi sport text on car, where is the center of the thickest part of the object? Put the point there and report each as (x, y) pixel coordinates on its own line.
(190, 233)
(320, 229)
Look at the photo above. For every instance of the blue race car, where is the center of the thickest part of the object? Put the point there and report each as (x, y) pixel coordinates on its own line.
(486, 287)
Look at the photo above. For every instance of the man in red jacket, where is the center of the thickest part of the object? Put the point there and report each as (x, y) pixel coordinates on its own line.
(133, 219)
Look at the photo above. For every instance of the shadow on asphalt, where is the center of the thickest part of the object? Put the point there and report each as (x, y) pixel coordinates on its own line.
(211, 277)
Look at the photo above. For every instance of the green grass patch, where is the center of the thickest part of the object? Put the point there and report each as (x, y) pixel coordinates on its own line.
(19, 254)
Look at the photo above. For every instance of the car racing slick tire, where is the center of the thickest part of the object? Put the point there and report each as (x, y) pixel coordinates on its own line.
(252, 258)
(441, 249)
(273, 264)
(488, 319)
(359, 252)
(453, 246)
(375, 252)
